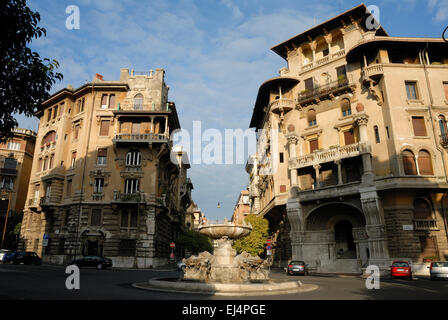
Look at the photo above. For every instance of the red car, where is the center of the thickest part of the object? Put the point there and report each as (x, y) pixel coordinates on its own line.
(401, 269)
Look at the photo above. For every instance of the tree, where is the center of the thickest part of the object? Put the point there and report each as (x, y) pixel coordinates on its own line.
(25, 78)
(255, 242)
(194, 242)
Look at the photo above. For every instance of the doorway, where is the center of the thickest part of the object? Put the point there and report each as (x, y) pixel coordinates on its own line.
(345, 245)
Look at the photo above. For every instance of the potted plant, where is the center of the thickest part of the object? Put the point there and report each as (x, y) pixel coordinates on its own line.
(430, 258)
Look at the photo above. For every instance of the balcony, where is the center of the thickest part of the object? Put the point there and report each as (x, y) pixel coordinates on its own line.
(372, 73)
(45, 201)
(129, 197)
(322, 61)
(329, 155)
(8, 172)
(425, 224)
(126, 138)
(329, 90)
(281, 105)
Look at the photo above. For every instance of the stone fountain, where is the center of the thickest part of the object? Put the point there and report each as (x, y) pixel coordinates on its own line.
(225, 273)
(225, 266)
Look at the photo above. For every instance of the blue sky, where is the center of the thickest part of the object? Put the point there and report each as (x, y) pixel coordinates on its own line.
(215, 54)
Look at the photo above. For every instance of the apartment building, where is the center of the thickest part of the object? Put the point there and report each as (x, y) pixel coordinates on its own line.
(105, 179)
(16, 158)
(355, 127)
(242, 207)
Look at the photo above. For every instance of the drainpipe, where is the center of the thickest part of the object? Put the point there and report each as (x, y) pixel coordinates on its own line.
(424, 55)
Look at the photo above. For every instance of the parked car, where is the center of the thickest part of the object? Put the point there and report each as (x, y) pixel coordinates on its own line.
(401, 269)
(26, 257)
(297, 267)
(93, 261)
(438, 269)
(181, 266)
(8, 257)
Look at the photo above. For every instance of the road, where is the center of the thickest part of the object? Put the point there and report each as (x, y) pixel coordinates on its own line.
(20, 282)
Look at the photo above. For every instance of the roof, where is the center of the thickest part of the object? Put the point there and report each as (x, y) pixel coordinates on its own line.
(359, 11)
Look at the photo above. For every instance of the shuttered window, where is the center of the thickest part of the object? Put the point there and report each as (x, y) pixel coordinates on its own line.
(422, 210)
(411, 90)
(349, 137)
(73, 159)
(377, 134)
(125, 127)
(309, 84)
(418, 124)
(112, 101)
(445, 88)
(409, 163)
(95, 218)
(424, 163)
(442, 125)
(104, 101)
(136, 127)
(314, 145)
(102, 156)
(104, 129)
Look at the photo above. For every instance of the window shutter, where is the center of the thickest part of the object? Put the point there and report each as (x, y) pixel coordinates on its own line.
(424, 163)
(104, 130)
(309, 85)
(125, 127)
(314, 145)
(112, 101)
(104, 100)
(445, 88)
(409, 163)
(419, 126)
(102, 152)
(349, 137)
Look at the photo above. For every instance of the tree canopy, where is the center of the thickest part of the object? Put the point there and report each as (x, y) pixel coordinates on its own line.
(194, 242)
(25, 77)
(255, 242)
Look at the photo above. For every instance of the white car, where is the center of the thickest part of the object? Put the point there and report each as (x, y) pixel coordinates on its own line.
(181, 266)
(2, 253)
(438, 269)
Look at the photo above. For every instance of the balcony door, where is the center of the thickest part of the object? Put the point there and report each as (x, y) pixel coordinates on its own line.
(349, 137)
(135, 127)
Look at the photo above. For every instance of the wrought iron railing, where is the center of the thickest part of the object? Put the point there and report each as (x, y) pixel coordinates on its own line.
(425, 224)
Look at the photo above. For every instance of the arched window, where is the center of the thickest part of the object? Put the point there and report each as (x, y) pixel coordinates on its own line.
(425, 163)
(133, 158)
(312, 117)
(442, 125)
(422, 209)
(345, 107)
(409, 163)
(138, 102)
(49, 138)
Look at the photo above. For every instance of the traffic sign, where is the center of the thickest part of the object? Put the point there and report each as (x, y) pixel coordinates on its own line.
(269, 252)
(268, 241)
(268, 247)
(172, 245)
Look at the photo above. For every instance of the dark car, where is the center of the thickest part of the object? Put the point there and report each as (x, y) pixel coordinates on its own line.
(93, 261)
(26, 257)
(9, 256)
(297, 267)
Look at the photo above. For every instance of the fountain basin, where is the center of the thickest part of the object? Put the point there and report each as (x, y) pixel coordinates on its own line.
(218, 231)
(263, 288)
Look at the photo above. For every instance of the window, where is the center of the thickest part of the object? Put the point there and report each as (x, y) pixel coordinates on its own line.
(312, 117)
(418, 124)
(104, 101)
(51, 161)
(45, 163)
(442, 125)
(95, 217)
(99, 185)
(69, 187)
(66, 217)
(128, 218)
(10, 163)
(133, 158)
(73, 162)
(82, 105)
(377, 134)
(422, 209)
(309, 84)
(131, 186)
(112, 101)
(49, 115)
(55, 112)
(445, 89)
(409, 165)
(14, 145)
(345, 107)
(341, 73)
(39, 165)
(104, 128)
(135, 127)
(314, 145)
(102, 156)
(411, 90)
(349, 137)
(425, 163)
(387, 132)
(127, 247)
(49, 139)
(326, 52)
(138, 102)
(7, 183)
(281, 157)
(76, 131)
(61, 245)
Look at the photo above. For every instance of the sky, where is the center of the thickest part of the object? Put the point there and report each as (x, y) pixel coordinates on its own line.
(215, 53)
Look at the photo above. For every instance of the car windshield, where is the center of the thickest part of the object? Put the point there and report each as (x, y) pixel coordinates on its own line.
(440, 264)
(298, 262)
(400, 264)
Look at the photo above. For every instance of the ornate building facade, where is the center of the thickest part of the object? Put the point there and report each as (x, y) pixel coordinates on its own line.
(105, 178)
(361, 134)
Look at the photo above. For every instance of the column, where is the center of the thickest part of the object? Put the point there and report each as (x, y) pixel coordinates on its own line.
(317, 173)
(368, 174)
(292, 142)
(339, 164)
(152, 124)
(166, 127)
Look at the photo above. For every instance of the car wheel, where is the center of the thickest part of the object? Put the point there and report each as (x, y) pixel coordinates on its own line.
(99, 266)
